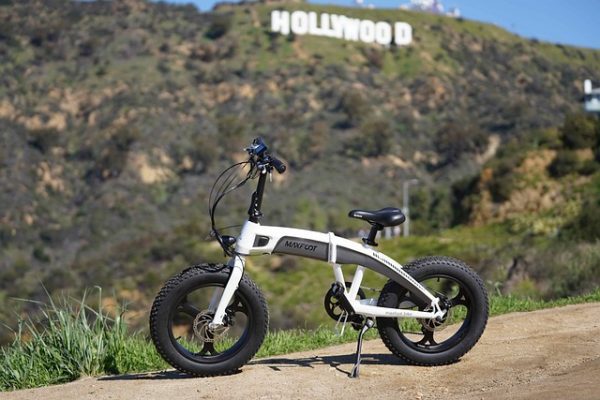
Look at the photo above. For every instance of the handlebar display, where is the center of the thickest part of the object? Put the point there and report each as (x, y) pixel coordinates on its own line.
(258, 149)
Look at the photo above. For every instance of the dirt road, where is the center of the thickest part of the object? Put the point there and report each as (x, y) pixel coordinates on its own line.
(549, 354)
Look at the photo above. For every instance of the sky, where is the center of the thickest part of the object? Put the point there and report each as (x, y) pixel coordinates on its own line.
(573, 22)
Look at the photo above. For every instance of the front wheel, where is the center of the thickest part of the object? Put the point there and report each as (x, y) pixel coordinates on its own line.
(183, 310)
(429, 341)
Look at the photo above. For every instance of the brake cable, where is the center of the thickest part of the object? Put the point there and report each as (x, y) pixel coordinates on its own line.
(224, 189)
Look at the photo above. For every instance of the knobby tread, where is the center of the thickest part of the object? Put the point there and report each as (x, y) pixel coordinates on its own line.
(172, 284)
(411, 267)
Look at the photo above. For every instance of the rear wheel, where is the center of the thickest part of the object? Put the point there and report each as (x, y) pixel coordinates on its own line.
(180, 318)
(429, 341)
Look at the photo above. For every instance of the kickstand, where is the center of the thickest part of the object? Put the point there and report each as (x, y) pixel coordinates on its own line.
(367, 325)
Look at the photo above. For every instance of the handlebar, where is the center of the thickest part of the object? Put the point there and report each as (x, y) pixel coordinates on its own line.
(258, 149)
(278, 165)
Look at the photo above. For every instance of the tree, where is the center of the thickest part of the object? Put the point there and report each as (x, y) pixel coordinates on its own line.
(219, 26)
(354, 105)
(374, 139)
(579, 131)
(454, 139)
(565, 162)
(232, 132)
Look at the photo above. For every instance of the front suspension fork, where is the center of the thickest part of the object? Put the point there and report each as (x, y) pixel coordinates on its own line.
(222, 298)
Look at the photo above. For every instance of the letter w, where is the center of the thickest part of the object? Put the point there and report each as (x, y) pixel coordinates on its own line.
(351, 29)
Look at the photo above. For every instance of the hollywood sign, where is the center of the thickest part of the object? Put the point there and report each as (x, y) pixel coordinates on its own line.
(341, 27)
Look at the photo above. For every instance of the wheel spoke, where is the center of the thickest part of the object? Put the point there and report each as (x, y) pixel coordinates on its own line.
(427, 338)
(237, 306)
(189, 309)
(208, 349)
(459, 299)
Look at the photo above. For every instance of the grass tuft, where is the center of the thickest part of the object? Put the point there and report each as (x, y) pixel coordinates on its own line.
(74, 340)
(71, 340)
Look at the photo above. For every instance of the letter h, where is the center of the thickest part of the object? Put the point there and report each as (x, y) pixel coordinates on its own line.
(280, 22)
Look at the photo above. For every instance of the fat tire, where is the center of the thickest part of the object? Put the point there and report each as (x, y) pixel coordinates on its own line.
(419, 269)
(182, 282)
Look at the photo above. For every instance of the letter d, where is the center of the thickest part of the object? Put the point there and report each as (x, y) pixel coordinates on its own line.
(402, 33)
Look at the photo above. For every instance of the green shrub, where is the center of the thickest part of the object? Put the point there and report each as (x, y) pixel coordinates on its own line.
(111, 156)
(464, 194)
(219, 26)
(375, 57)
(313, 144)
(503, 182)
(549, 138)
(374, 139)
(354, 105)
(454, 139)
(565, 162)
(586, 224)
(589, 167)
(232, 132)
(567, 268)
(579, 131)
(204, 152)
(40, 254)
(431, 209)
(43, 138)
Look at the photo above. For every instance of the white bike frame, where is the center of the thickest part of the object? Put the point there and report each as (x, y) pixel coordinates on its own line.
(258, 239)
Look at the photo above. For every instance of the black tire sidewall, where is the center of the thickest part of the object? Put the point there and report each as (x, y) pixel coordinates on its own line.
(419, 270)
(168, 299)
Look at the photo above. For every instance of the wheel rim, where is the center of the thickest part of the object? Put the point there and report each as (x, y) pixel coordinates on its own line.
(188, 325)
(437, 336)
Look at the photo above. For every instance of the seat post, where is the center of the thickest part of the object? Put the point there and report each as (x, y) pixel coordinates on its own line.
(370, 240)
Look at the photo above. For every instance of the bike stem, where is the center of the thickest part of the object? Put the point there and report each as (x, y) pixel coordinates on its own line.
(254, 212)
(238, 262)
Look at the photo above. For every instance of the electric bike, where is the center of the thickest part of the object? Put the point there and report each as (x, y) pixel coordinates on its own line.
(211, 319)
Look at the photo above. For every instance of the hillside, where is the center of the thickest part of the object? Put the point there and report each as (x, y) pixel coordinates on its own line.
(115, 117)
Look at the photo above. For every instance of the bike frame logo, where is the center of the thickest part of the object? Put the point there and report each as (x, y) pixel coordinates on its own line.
(341, 27)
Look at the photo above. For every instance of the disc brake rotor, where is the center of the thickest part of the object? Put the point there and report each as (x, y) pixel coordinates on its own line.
(435, 324)
(204, 332)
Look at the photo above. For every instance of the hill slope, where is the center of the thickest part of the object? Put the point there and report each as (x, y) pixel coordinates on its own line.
(115, 118)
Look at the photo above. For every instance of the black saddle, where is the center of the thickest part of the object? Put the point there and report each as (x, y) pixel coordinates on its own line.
(389, 216)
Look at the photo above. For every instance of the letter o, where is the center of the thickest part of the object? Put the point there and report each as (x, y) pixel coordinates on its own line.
(299, 23)
(367, 31)
(383, 33)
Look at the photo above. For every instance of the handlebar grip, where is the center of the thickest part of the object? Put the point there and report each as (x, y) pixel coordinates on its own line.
(278, 165)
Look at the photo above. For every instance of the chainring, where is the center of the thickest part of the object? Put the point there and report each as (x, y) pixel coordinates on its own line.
(333, 308)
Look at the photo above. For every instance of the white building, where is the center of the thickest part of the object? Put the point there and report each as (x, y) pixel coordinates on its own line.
(591, 97)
